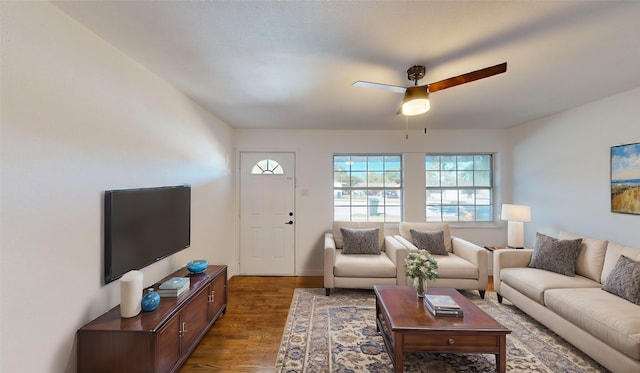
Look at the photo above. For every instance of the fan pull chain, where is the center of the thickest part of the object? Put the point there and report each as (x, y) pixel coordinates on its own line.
(406, 133)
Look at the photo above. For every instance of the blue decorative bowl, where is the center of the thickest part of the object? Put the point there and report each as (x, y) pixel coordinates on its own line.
(150, 301)
(197, 266)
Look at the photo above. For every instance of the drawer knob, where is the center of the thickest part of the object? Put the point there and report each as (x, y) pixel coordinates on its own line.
(451, 341)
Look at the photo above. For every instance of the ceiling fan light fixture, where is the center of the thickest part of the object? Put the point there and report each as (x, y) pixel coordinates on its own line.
(415, 101)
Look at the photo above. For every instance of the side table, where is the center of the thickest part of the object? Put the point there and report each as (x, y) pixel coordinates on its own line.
(491, 249)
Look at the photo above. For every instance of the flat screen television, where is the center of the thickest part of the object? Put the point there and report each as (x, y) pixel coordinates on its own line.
(142, 226)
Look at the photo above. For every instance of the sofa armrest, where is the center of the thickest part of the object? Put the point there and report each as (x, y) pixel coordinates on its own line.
(397, 252)
(329, 260)
(474, 254)
(508, 258)
(406, 243)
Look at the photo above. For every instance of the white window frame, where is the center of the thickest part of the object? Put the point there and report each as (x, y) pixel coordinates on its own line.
(354, 191)
(465, 197)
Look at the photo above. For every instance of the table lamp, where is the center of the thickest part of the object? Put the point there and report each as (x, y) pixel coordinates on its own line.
(516, 215)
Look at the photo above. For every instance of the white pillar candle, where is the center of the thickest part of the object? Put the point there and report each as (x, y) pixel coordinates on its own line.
(130, 294)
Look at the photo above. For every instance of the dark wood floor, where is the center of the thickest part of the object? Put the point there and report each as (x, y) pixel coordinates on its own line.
(247, 337)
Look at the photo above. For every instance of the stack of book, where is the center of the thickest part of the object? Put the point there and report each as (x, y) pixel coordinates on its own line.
(442, 305)
(174, 287)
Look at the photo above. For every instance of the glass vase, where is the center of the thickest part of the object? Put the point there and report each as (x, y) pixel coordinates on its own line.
(420, 283)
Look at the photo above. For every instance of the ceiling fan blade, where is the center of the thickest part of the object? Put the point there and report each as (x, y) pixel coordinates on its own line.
(384, 87)
(468, 77)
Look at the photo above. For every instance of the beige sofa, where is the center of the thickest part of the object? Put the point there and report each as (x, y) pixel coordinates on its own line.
(603, 325)
(464, 268)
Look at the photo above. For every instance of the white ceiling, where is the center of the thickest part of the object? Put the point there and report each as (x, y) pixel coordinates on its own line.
(291, 64)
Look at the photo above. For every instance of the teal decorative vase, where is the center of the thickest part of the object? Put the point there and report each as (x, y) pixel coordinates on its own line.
(150, 301)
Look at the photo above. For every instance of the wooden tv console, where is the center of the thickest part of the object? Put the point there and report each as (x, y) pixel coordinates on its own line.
(156, 341)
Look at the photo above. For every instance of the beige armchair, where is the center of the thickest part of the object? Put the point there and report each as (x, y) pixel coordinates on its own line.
(465, 267)
(362, 271)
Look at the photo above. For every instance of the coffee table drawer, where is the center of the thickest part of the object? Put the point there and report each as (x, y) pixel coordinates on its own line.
(451, 342)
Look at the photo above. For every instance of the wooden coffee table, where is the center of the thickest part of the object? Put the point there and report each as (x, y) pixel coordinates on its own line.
(408, 326)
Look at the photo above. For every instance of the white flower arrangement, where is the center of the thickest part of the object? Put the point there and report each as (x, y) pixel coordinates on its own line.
(420, 264)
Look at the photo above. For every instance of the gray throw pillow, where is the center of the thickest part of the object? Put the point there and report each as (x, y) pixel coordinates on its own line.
(555, 255)
(432, 241)
(360, 241)
(624, 280)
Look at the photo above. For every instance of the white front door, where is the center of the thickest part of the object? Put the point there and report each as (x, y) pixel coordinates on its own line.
(267, 221)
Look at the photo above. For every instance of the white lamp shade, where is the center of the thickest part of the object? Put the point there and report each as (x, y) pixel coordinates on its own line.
(515, 215)
(516, 212)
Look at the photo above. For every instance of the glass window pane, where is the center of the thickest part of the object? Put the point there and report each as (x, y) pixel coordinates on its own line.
(482, 162)
(482, 178)
(434, 213)
(465, 178)
(434, 197)
(466, 196)
(483, 197)
(359, 213)
(467, 213)
(358, 163)
(484, 213)
(267, 167)
(448, 178)
(433, 178)
(432, 162)
(392, 179)
(375, 163)
(374, 179)
(392, 163)
(449, 213)
(358, 179)
(448, 162)
(465, 162)
(341, 163)
(341, 213)
(450, 196)
(341, 179)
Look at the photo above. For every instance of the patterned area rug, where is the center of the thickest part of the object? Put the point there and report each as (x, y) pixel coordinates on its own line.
(338, 334)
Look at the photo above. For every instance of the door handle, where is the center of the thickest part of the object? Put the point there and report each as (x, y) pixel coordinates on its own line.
(290, 222)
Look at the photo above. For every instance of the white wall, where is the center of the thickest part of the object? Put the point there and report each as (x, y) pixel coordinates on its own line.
(78, 118)
(562, 169)
(314, 175)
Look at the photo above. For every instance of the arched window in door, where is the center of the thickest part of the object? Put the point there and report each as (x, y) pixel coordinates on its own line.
(267, 167)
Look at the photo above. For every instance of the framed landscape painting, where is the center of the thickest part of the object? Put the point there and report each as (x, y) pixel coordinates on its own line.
(625, 179)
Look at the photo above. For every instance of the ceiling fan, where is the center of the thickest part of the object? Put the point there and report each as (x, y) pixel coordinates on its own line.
(416, 98)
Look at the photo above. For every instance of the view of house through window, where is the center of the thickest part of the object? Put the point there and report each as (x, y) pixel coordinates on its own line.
(459, 187)
(367, 187)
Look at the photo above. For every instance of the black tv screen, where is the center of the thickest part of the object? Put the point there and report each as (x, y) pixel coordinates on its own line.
(143, 226)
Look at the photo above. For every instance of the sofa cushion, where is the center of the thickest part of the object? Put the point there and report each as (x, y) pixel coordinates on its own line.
(432, 241)
(614, 250)
(590, 257)
(363, 265)
(405, 231)
(624, 280)
(555, 255)
(360, 241)
(337, 234)
(534, 282)
(453, 266)
(607, 317)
